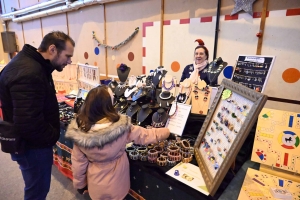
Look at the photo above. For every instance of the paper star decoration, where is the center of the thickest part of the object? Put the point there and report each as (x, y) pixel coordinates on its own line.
(245, 5)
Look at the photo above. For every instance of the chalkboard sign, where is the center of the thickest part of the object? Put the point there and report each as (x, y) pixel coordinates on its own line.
(253, 71)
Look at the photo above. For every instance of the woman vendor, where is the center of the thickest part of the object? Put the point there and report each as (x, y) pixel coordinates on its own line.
(199, 67)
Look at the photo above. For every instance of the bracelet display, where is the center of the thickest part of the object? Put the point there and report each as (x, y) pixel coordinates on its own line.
(142, 149)
(174, 156)
(129, 149)
(173, 149)
(185, 152)
(152, 154)
(144, 156)
(171, 163)
(150, 146)
(161, 161)
(152, 160)
(187, 159)
(133, 155)
(185, 144)
(158, 149)
(164, 155)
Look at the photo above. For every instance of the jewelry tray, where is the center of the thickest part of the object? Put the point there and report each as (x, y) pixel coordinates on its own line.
(234, 109)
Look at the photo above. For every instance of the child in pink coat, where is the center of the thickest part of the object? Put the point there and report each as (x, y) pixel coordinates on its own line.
(100, 134)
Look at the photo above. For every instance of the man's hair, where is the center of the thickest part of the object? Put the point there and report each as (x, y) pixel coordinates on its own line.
(57, 38)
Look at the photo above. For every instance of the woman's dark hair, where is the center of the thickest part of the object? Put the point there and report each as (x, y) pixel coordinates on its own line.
(97, 106)
(57, 38)
(205, 50)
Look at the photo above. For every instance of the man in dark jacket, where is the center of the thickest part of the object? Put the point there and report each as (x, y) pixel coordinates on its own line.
(28, 100)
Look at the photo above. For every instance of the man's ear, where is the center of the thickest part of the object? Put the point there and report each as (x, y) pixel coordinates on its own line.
(52, 49)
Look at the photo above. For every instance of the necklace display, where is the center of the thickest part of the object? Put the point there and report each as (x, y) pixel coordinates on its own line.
(215, 69)
(164, 85)
(159, 118)
(119, 91)
(182, 97)
(132, 109)
(130, 90)
(143, 114)
(121, 105)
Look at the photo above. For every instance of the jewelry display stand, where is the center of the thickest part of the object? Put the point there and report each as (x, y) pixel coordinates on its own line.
(158, 74)
(159, 118)
(123, 72)
(200, 98)
(120, 89)
(253, 71)
(132, 111)
(169, 84)
(214, 70)
(143, 114)
(165, 99)
(121, 105)
(132, 81)
(185, 92)
(226, 126)
(113, 85)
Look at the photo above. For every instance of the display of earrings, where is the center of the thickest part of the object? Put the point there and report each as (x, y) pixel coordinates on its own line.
(200, 98)
(252, 71)
(229, 117)
(184, 95)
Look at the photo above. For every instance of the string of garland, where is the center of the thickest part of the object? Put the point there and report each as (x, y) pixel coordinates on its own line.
(116, 47)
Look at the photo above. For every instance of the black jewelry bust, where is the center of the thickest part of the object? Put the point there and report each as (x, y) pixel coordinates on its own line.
(120, 89)
(158, 74)
(214, 70)
(123, 72)
(143, 115)
(165, 99)
(132, 109)
(139, 94)
(112, 85)
(121, 105)
(130, 91)
(159, 118)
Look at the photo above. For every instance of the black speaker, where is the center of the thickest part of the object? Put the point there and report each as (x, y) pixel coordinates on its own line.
(9, 41)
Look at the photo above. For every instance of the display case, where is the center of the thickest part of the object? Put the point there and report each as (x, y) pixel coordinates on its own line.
(228, 123)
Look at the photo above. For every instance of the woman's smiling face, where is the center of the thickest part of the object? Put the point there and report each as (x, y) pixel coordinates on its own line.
(199, 56)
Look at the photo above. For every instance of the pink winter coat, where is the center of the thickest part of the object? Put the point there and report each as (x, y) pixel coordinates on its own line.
(99, 159)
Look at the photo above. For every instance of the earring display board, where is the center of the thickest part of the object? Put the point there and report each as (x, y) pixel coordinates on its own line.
(88, 76)
(277, 140)
(253, 71)
(226, 126)
(200, 98)
(262, 186)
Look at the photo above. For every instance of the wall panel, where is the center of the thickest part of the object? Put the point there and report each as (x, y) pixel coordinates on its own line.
(81, 25)
(122, 18)
(32, 32)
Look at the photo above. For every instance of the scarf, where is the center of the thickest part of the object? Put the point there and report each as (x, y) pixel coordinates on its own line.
(197, 68)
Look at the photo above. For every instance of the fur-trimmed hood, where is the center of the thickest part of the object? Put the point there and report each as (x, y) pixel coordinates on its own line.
(99, 135)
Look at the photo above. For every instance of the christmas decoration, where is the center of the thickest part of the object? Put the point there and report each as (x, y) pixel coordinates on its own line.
(245, 5)
(118, 46)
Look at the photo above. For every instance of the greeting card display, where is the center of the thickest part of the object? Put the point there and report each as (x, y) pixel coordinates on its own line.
(227, 125)
(253, 71)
